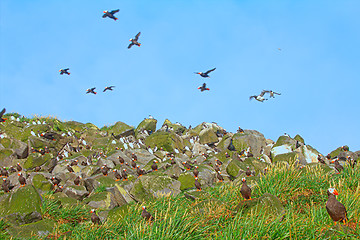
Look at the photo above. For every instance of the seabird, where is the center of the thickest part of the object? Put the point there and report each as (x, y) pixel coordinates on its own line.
(134, 41)
(335, 209)
(109, 88)
(21, 179)
(95, 218)
(1, 115)
(64, 71)
(271, 93)
(91, 90)
(110, 14)
(260, 97)
(203, 88)
(145, 214)
(245, 190)
(197, 184)
(205, 74)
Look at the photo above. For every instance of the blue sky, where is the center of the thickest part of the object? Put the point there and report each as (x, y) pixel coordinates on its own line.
(317, 69)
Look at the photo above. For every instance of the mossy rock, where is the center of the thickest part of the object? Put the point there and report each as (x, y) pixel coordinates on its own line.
(102, 200)
(285, 140)
(118, 213)
(65, 200)
(91, 126)
(148, 187)
(179, 129)
(5, 142)
(187, 181)
(106, 181)
(336, 152)
(146, 124)
(168, 141)
(224, 143)
(249, 138)
(299, 138)
(119, 128)
(41, 183)
(34, 160)
(18, 211)
(5, 153)
(208, 136)
(40, 229)
(233, 168)
(75, 126)
(286, 157)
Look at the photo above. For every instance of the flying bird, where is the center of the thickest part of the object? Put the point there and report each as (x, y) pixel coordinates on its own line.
(110, 14)
(134, 41)
(260, 97)
(203, 87)
(109, 88)
(91, 90)
(271, 93)
(1, 114)
(62, 71)
(205, 74)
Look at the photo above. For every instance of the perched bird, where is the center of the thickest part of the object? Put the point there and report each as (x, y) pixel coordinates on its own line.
(134, 157)
(271, 93)
(245, 190)
(55, 181)
(218, 175)
(49, 136)
(91, 90)
(134, 41)
(197, 184)
(320, 159)
(187, 165)
(18, 167)
(205, 74)
(260, 97)
(240, 130)
(104, 170)
(6, 185)
(248, 172)
(22, 180)
(64, 71)
(345, 148)
(58, 189)
(139, 171)
(110, 14)
(12, 169)
(196, 171)
(124, 175)
(216, 168)
(94, 217)
(203, 87)
(4, 172)
(77, 180)
(1, 115)
(154, 166)
(37, 169)
(335, 209)
(133, 164)
(172, 161)
(351, 161)
(145, 214)
(338, 167)
(69, 168)
(117, 175)
(218, 162)
(109, 88)
(121, 160)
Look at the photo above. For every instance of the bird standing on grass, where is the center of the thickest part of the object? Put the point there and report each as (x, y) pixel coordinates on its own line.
(335, 209)
(145, 214)
(245, 190)
(94, 217)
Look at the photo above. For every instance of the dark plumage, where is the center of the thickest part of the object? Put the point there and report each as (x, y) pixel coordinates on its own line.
(154, 166)
(216, 168)
(110, 14)
(91, 90)
(196, 171)
(218, 162)
(55, 181)
(18, 167)
(205, 74)
(248, 172)
(133, 164)
(104, 170)
(64, 71)
(4, 172)
(172, 161)
(245, 190)
(69, 168)
(335, 209)
(197, 184)
(134, 41)
(58, 189)
(218, 175)
(121, 160)
(271, 93)
(49, 136)
(145, 214)
(203, 87)
(22, 180)
(187, 165)
(320, 159)
(1, 115)
(77, 180)
(6, 185)
(124, 175)
(259, 97)
(37, 169)
(109, 88)
(117, 175)
(338, 167)
(94, 217)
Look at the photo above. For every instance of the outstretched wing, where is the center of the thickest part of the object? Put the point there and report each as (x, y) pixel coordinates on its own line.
(277, 93)
(210, 71)
(130, 45)
(137, 36)
(92, 89)
(251, 97)
(204, 85)
(105, 15)
(263, 92)
(66, 69)
(115, 11)
(2, 112)
(105, 89)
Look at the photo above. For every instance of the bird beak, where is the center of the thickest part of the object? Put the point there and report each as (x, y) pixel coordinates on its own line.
(332, 161)
(336, 192)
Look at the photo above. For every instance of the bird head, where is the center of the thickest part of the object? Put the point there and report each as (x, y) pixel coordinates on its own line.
(19, 174)
(92, 210)
(143, 207)
(105, 11)
(333, 191)
(243, 179)
(196, 178)
(248, 167)
(196, 167)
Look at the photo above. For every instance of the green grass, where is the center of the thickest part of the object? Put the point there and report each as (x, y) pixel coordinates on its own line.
(302, 193)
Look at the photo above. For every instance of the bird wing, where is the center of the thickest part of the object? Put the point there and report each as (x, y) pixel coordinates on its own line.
(262, 93)
(2, 112)
(115, 11)
(66, 69)
(210, 71)
(137, 36)
(204, 85)
(277, 93)
(130, 45)
(92, 89)
(104, 16)
(251, 97)
(105, 89)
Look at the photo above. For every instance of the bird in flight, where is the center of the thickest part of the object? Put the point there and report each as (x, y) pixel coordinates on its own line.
(109, 88)
(203, 87)
(110, 14)
(90, 90)
(271, 93)
(62, 71)
(205, 74)
(135, 41)
(260, 97)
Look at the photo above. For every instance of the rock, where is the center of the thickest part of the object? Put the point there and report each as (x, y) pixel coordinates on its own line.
(290, 157)
(177, 128)
(122, 196)
(207, 136)
(36, 160)
(65, 200)
(118, 214)
(76, 192)
(41, 229)
(285, 140)
(154, 186)
(146, 124)
(22, 150)
(174, 171)
(282, 149)
(168, 141)
(224, 143)
(267, 202)
(42, 184)
(120, 129)
(21, 206)
(187, 181)
(310, 154)
(197, 195)
(103, 200)
(249, 138)
(299, 138)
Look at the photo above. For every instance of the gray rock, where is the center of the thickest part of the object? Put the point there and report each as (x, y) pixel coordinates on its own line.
(76, 192)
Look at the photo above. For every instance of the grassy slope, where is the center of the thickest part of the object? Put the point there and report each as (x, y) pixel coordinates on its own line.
(302, 192)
